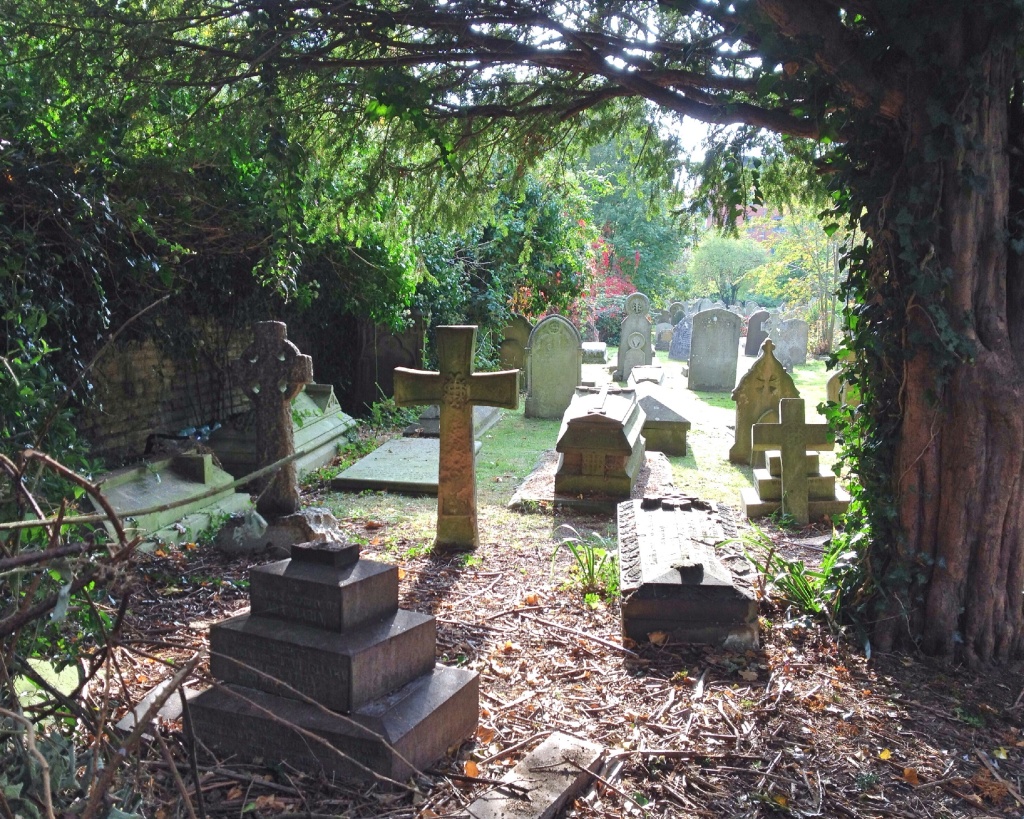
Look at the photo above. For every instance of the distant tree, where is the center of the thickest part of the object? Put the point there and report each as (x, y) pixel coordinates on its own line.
(804, 266)
(720, 265)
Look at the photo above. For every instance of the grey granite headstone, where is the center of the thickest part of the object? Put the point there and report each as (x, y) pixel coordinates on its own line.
(672, 581)
(790, 337)
(756, 332)
(326, 662)
(554, 366)
(681, 337)
(714, 351)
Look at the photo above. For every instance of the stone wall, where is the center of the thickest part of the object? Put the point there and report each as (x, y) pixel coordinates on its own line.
(141, 390)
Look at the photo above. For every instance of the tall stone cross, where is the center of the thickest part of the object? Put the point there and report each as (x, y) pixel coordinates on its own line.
(795, 437)
(457, 389)
(273, 372)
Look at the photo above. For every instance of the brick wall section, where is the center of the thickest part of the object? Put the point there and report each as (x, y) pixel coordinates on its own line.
(140, 391)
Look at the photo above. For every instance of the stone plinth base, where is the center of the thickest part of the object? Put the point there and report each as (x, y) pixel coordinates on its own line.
(411, 728)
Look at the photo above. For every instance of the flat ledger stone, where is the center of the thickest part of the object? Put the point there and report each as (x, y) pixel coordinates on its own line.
(406, 465)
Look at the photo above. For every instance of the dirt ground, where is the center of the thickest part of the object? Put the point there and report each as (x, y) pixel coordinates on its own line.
(806, 725)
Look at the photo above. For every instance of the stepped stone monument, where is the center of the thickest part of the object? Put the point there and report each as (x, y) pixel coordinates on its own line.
(327, 673)
(672, 581)
(714, 350)
(554, 366)
(273, 371)
(457, 390)
(756, 332)
(793, 480)
(635, 336)
(600, 445)
(757, 399)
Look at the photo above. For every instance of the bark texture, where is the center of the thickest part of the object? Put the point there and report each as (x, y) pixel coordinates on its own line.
(957, 478)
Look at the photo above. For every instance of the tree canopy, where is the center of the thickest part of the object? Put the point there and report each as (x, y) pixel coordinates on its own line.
(915, 111)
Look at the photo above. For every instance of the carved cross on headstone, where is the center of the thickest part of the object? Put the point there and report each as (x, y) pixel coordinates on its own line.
(457, 389)
(794, 437)
(273, 372)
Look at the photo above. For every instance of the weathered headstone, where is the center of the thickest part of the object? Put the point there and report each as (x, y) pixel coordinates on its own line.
(515, 338)
(554, 366)
(326, 672)
(714, 351)
(756, 332)
(790, 337)
(635, 336)
(750, 307)
(662, 336)
(703, 304)
(600, 445)
(457, 389)
(757, 399)
(672, 582)
(794, 438)
(665, 427)
(676, 310)
(272, 372)
(682, 334)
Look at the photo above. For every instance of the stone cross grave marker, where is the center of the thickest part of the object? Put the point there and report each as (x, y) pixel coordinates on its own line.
(457, 389)
(794, 437)
(273, 372)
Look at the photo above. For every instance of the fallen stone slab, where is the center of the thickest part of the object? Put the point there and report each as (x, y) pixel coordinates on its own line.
(553, 773)
(404, 465)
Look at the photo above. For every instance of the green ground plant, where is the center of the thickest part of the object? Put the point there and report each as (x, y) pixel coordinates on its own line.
(595, 567)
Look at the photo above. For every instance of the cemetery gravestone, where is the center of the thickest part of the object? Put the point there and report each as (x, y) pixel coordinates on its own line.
(672, 581)
(714, 351)
(554, 366)
(515, 338)
(595, 352)
(635, 336)
(662, 336)
(750, 308)
(794, 437)
(790, 337)
(756, 332)
(457, 389)
(681, 336)
(326, 654)
(676, 310)
(273, 371)
(757, 399)
(665, 427)
(703, 304)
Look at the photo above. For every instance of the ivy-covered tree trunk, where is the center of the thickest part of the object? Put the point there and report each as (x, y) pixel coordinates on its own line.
(945, 304)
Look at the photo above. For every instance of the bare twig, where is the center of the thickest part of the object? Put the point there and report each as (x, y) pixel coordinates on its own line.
(583, 634)
(44, 766)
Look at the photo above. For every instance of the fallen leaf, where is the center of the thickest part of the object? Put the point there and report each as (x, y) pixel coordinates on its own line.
(472, 769)
(532, 599)
(485, 734)
(749, 676)
(780, 800)
(427, 813)
(373, 524)
(509, 646)
(885, 754)
(1000, 753)
(658, 638)
(160, 553)
(910, 776)
(401, 573)
(233, 794)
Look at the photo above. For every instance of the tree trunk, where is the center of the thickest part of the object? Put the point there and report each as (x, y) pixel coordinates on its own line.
(953, 582)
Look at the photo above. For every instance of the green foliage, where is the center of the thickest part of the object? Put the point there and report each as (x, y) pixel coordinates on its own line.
(720, 265)
(595, 563)
(812, 591)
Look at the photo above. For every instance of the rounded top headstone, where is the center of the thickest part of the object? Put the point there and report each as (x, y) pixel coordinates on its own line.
(638, 304)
